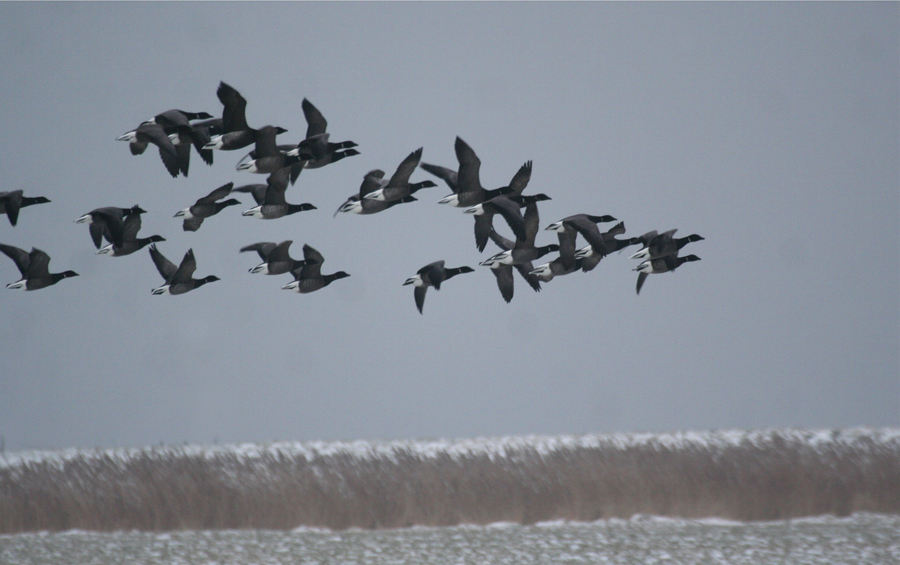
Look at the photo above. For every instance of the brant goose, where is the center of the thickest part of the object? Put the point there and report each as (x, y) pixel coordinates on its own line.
(206, 207)
(663, 244)
(236, 134)
(567, 230)
(108, 222)
(176, 118)
(138, 139)
(359, 204)
(315, 150)
(556, 268)
(660, 265)
(178, 279)
(309, 278)
(399, 186)
(13, 201)
(34, 268)
(276, 259)
(273, 204)
(267, 157)
(600, 244)
(469, 190)
(432, 274)
(523, 252)
(130, 241)
(503, 272)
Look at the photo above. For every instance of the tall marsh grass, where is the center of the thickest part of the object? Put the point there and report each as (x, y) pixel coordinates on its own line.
(735, 475)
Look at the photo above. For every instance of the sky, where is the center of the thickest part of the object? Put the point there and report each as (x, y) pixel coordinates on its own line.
(771, 129)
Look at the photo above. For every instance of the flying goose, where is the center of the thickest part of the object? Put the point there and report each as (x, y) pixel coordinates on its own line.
(176, 118)
(236, 133)
(469, 190)
(273, 204)
(663, 244)
(503, 272)
(567, 230)
(139, 138)
(523, 252)
(34, 268)
(309, 278)
(660, 265)
(13, 201)
(432, 274)
(108, 222)
(266, 158)
(556, 268)
(600, 244)
(178, 280)
(130, 241)
(276, 259)
(206, 207)
(359, 204)
(315, 150)
(399, 186)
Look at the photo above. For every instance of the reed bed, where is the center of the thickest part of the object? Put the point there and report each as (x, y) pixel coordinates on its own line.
(745, 476)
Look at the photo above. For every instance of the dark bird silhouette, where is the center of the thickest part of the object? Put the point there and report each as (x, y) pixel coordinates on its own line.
(359, 204)
(664, 264)
(432, 274)
(399, 187)
(316, 151)
(108, 222)
(469, 191)
(600, 244)
(34, 268)
(13, 201)
(276, 259)
(236, 133)
(130, 241)
(272, 203)
(206, 207)
(567, 231)
(178, 280)
(309, 278)
(666, 243)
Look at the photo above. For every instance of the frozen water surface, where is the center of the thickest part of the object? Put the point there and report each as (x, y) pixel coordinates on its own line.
(855, 540)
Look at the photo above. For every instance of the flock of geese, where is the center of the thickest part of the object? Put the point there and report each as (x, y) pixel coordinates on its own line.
(175, 132)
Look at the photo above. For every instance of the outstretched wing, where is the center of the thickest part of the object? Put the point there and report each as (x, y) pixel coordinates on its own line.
(19, 256)
(315, 121)
(406, 168)
(165, 267)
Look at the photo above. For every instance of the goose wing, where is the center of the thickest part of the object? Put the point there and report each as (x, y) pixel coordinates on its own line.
(449, 176)
(11, 202)
(19, 256)
(313, 267)
(419, 293)
(469, 167)
(280, 252)
(38, 264)
(258, 191)
(263, 249)
(217, 194)
(186, 269)
(373, 180)
(315, 121)
(131, 226)
(520, 179)
(233, 115)
(406, 168)
(165, 267)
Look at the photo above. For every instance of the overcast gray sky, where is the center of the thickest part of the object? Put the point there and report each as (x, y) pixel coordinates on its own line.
(771, 129)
